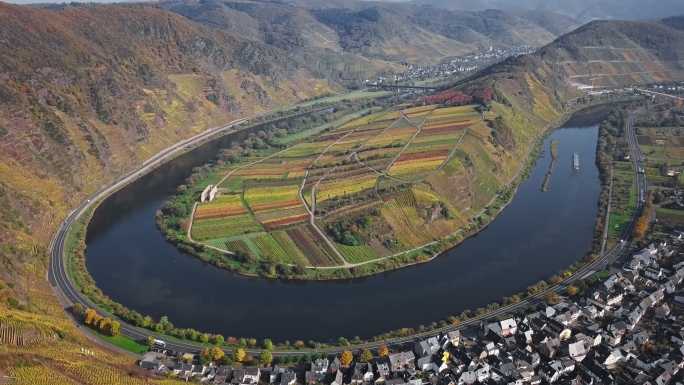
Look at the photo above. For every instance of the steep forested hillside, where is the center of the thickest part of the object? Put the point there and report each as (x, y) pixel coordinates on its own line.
(87, 92)
(374, 33)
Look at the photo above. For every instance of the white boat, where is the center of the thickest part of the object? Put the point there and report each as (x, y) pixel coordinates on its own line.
(575, 161)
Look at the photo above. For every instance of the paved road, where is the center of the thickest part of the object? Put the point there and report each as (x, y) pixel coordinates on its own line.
(653, 93)
(70, 295)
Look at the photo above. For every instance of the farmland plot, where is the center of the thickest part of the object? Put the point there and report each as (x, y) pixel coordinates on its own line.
(367, 173)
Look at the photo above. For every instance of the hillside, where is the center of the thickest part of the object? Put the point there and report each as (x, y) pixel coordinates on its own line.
(581, 10)
(617, 53)
(87, 92)
(366, 35)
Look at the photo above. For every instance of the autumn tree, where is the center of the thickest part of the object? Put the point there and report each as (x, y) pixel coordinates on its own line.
(115, 328)
(204, 338)
(187, 357)
(366, 356)
(642, 224)
(346, 358)
(147, 321)
(552, 298)
(572, 290)
(266, 357)
(217, 339)
(78, 310)
(89, 317)
(213, 354)
(641, 227)
(239, 355)
(383, 351)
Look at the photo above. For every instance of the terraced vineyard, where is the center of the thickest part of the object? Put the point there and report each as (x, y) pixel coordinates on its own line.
(365, 191)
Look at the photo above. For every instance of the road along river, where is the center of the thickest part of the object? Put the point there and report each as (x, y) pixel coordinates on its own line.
(539, 234)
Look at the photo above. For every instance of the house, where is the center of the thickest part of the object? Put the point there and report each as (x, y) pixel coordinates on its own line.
(222, 375)
(383, 369)
(492, 349)
(368, 374)
(548, 347)
(578, 350)
(634, 317)
(311, 378)
(152, 361)
(198, 370)
(249, 375)
(609, 358)
(426, 364)
(454, 337)
(363, 373)
(427, 347)
(608, 298)
(238, 376)
(508, 327)
(554, 370)
(483, 372)
(275, 374)
(335, 365)
(592, 312)
(183, 370)
(400, 362)
(338, 378)
(654, 274)
(493, 330)
(467, 378)
(288, 377)
(319, 368)
(662, 311)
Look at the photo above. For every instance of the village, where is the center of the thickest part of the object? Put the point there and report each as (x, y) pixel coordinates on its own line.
(455, 66)
(624, 329)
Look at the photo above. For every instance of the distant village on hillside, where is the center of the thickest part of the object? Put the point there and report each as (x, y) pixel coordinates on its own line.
(461, 65)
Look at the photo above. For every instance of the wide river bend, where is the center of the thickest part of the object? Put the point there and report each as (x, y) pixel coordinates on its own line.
(537, 235)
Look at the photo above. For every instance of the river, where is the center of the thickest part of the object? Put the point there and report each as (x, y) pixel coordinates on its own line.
(536, 236)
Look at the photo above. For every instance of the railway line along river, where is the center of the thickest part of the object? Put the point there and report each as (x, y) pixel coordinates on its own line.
(536, 236)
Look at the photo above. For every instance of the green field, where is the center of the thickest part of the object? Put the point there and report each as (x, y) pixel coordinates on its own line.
(623, 199)
(124, 343)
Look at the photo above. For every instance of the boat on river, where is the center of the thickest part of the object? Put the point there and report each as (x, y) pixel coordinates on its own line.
(575, 161)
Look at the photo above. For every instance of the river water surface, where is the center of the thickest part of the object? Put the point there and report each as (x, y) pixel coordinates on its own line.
(539, 234)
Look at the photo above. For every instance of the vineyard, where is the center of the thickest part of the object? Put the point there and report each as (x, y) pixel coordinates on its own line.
(370, 188)
(19, 333)
(40, 349)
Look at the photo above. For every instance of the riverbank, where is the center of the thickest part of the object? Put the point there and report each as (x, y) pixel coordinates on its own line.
(435, 266)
